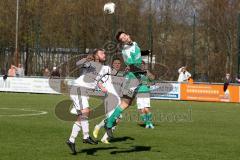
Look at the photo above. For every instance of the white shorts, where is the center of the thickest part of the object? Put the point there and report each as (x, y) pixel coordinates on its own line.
(109, 113)
(143, 100)
(79, 97)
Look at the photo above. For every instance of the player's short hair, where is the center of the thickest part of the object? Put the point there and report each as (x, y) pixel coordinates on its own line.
(116, 58)
(97, 49)
(118, 35)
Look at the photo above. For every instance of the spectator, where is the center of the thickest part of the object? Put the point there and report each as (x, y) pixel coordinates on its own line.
(46, 72)
(55, 73)
(19, 70)
(4, 73)
(238, 79)
(184, 75)
(227, 80)
(12, 71)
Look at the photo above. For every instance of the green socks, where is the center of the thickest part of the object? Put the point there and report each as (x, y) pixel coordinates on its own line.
(112, 119)
(146, 118)
(143, 118)
(149, 118)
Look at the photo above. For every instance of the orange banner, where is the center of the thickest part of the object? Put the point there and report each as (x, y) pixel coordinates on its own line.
(210, 92)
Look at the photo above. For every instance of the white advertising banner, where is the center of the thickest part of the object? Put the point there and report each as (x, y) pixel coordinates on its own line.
(30, 85)
(58, 86)
(165, 91)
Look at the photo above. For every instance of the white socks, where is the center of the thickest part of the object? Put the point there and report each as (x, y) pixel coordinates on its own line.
(85, 128)
(76, 128)
(104, 137)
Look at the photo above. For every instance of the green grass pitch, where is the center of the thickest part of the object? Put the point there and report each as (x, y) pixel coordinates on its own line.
(183, 131)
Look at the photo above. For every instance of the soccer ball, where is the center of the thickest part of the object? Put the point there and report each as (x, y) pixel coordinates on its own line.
(109, 8)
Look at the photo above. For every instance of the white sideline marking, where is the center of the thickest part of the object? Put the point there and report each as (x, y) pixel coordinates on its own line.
(23, 115)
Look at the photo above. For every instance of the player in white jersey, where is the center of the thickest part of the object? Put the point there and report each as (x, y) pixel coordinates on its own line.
(113, 87)
(92, 71)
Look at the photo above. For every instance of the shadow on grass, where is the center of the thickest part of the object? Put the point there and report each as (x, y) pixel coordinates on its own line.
(142, 125)
(133, 149)
(121, 139)
(116, 150)
(92, 151)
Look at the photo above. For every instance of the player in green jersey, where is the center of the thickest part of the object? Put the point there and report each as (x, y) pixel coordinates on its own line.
(131, 54)
(143, 98)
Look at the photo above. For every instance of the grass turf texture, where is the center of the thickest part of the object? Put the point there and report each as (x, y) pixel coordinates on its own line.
(183, 130)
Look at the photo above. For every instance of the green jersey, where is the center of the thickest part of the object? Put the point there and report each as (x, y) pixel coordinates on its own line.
(132, 56)
(144, 88)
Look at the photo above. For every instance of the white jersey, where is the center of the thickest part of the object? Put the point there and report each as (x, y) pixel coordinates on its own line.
(113, 82)
(114, 86)
(92, 73)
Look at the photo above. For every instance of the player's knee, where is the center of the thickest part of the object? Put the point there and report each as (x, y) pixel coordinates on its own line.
(84, 117)
(146, 109)
(125, 103)
(78, 123)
